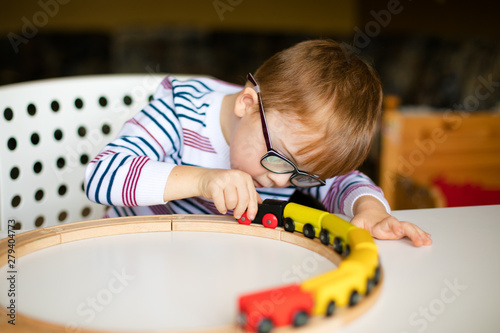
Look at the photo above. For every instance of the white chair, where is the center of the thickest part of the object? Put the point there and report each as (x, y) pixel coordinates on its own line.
(49, 130)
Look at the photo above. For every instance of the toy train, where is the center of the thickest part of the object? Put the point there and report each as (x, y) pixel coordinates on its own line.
(293, 304)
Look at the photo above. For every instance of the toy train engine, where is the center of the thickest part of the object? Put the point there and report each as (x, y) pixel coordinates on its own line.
(270, 214)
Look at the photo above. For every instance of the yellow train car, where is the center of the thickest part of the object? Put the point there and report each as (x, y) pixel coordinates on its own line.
(367, 260)
(337, 288)
(364, 250)
(360, 239)
(335, 231)
(304, 219)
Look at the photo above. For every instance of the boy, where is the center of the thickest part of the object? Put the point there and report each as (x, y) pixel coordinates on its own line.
(305, 121)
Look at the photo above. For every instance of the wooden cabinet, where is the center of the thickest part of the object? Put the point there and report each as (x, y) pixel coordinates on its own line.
(419, 147)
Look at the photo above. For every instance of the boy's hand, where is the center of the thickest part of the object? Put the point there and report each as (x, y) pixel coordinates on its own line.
(230, 189)
(370, 214)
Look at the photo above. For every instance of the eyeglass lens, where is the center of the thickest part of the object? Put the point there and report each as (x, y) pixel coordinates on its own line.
(277, 164)
(304, 181)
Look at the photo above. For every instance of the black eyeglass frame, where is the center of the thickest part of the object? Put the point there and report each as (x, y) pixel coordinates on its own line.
(272, 152)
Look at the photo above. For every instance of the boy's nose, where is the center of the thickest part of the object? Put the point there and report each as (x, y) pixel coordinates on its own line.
(280, 179)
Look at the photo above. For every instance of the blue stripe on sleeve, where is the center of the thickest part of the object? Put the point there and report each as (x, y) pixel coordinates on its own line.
(203, 84)
(189, 207)
(190, 109)
(150, 147)
(117, 211)
(193, 119)
(122, 146)
(182, 93)
(344, 189)
(284, 196)
(126, 139)
(92, 178)
(186, 86)
(161, 127)
(129, 209)
(168, 107)
(101, 178)
(191, 102)
(177, 150)
(108, 195)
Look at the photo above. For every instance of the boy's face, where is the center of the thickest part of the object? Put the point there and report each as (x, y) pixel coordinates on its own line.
(248, 146)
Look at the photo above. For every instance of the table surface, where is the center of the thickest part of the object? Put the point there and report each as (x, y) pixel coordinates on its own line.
(186, 280)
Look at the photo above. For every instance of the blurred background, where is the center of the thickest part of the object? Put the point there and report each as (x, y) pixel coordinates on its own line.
(439, 61)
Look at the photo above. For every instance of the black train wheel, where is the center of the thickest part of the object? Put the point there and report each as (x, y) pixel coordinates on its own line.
(376, 277)
(370, 284)
(354, 298)
(289, 224)
(324, 237)
(308, 231)
(347, 250)
(265, 326)
(300, 318)
(337, 245)
(330, 309)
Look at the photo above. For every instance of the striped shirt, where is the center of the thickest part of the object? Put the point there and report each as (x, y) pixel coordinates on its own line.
(181, 126)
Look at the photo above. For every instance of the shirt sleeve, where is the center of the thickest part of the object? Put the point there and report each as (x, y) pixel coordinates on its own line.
(340, 193)
(133, 169)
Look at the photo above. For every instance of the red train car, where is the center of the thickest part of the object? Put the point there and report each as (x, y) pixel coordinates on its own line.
(260, 312)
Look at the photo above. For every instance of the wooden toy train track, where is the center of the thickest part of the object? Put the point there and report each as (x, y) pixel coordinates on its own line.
(319, 304)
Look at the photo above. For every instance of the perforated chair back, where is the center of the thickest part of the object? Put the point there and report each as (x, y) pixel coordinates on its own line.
(49, 131)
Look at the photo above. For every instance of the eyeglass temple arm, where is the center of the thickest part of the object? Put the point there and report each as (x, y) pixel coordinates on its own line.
(261, 109)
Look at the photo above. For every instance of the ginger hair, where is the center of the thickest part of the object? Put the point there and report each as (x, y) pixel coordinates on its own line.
(332, 92)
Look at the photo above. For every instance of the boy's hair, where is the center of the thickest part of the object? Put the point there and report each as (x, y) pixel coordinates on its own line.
(334, 93)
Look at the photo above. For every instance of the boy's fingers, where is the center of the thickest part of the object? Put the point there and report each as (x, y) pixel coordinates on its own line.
(259, 199)
(391, 225)
(253, 206)
(242, 203)
(401, 229)
(391, 228)
(382, 231)
(415, 238)
(231, 197)
(219, 202)
(415, 234)
(427, 239)
(388, 228)
(397, 228)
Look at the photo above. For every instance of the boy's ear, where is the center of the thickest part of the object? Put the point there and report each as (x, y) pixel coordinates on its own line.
(245, 102)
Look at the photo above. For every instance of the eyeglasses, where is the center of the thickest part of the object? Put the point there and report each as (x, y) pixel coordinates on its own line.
(277, 162)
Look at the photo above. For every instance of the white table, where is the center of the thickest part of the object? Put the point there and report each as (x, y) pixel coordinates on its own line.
(451, 286)
(142, 281)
